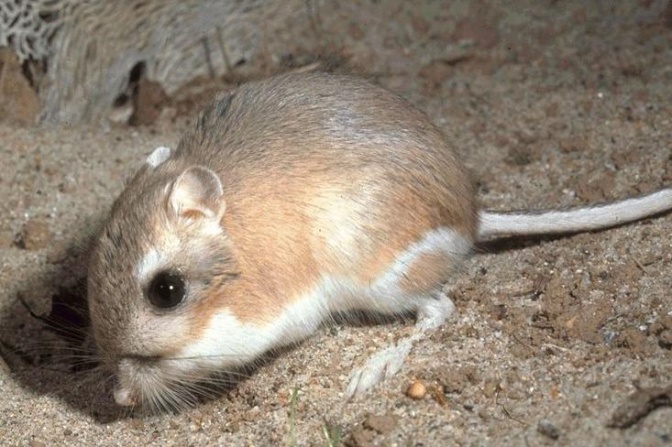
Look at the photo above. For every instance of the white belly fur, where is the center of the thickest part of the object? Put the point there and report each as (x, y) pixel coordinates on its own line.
(233, 343)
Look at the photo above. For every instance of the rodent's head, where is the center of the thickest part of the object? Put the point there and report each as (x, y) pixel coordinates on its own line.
(154, 268)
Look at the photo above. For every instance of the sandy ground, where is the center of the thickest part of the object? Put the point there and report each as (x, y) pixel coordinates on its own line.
(549, 103)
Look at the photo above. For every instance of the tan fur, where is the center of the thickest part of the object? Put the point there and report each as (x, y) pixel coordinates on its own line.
(278, 217)
(321, 175)
(267, 263)
(287, 261)
(426, 272)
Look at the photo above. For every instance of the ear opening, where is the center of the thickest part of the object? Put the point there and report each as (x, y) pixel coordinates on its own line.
(197, 194)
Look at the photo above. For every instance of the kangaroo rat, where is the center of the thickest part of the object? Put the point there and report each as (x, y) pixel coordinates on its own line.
(290, 199)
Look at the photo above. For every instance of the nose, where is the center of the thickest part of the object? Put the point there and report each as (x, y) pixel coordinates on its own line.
(127, 370)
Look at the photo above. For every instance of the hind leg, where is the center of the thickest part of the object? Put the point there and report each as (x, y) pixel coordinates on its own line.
(413, 282)
(387, 362)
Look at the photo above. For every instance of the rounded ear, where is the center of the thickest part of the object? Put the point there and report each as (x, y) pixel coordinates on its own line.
(197, 193)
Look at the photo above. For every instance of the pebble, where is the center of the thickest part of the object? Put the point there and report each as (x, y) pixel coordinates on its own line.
(546, 428)
(35, 234)
(381, 424)
(416, 390)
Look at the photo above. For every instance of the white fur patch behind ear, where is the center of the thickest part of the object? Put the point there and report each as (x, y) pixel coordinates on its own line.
(158, 156)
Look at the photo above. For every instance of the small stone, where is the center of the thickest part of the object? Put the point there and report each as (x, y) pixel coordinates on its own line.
(546, 428)
(381, 424)
(58, 252)
(362, 437)
(665, 339)
(490, 388)
(252, 414)
(35, 234)
(416, 390)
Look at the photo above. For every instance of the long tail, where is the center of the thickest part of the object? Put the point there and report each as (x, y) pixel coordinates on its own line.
(497, 225)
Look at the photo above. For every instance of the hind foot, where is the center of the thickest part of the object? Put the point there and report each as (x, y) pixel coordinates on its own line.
(387, 362)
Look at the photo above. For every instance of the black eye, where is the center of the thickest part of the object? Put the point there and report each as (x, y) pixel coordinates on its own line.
(166, 290)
